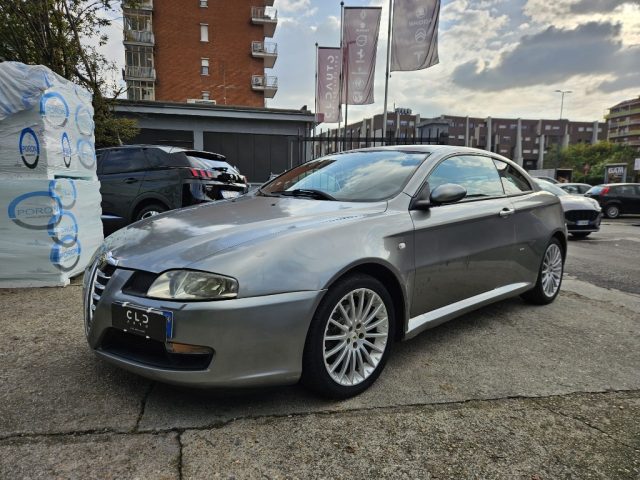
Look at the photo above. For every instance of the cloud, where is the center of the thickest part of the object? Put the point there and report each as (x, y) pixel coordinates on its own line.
(554, 55)
(292, 6)
(598, 6)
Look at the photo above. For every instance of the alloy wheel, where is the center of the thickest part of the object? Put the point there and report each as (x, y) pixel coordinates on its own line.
(551, 270)
(355, 337)
(149, 214)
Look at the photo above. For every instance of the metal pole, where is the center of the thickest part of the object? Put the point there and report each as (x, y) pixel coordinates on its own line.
(346, 95)
(386, 81)
(315, 107)
(341, 64)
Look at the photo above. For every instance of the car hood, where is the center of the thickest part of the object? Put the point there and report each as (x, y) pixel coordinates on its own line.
(578, 202)
(180, 238)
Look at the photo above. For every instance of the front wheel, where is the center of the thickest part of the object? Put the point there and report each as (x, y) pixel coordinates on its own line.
(350, 338)
(549, 276)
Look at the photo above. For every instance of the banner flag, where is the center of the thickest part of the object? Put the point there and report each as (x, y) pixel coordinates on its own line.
(414, 42)
(328, 87)
(360, 43)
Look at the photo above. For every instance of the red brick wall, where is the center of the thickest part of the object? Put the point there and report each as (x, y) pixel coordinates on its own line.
(178, 51)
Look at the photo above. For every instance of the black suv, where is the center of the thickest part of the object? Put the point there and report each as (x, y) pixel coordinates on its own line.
(617, 198)
(139, 181)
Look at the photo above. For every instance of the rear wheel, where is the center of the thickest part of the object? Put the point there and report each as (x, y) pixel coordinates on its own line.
(350, 338)
(580, 235)
(549, 276)
(612, 211)
(149, 211)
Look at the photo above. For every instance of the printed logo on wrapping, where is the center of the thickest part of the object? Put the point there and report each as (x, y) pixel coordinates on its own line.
(66, 150)
(29, 148)
(65, 258)
(64, 190)
(54, 109)
(86, 153)
(35, 211)
(84, 121)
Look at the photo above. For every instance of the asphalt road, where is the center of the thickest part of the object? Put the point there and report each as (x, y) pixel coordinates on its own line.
(509, 391)
(609, 258)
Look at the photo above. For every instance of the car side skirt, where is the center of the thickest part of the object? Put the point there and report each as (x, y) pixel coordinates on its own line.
(443, 314)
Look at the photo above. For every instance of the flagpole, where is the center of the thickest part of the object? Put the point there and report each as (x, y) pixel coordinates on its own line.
(315, 107)
(341, 63)
(386, 80)
(346, 103)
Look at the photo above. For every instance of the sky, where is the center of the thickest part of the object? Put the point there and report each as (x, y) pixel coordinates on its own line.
(499, 58)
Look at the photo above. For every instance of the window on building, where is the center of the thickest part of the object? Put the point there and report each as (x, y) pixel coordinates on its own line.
(589, 129)
(502, 126)
(506, 138)
(535, 150)
(204, 3)
(581, 129)
(205, 95)
(513, 126)
(556, 127)
(140, 90)
(547, 127)
(139, 21)
(460, 137)
(204, 32)
(204, 66)
(526, 151)
(527, 139)
(139, 56)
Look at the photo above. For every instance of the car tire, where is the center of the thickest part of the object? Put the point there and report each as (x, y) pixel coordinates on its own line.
(550, 273)
(580, 235)
(346, 347)
(612, 211)
(149, 211)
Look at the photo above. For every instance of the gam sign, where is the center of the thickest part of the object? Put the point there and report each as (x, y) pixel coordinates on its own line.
(615, 173)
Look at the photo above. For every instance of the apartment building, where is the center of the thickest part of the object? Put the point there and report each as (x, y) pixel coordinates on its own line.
(523, 140)
(623, 121)
(200, 51)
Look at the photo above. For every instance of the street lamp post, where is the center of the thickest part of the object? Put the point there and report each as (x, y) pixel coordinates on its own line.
(562, 92)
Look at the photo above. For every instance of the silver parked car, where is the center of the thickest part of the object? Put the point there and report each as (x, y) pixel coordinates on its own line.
(317, 273)
(582, 214)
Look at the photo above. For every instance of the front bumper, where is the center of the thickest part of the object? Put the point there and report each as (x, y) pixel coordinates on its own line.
(256, 341)
(583, 221)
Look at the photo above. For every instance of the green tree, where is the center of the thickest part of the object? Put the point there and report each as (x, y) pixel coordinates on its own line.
(588, 161)
(64, 35)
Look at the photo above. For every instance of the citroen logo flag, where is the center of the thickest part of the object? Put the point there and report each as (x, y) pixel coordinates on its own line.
(360, 42)
(328, 85)
(414, 43)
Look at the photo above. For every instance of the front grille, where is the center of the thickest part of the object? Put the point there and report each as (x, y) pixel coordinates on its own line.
(575, 215)
(99, 276)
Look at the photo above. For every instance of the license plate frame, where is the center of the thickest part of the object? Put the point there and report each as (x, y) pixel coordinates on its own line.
(582, 223)
(227, 194)
(146, 322)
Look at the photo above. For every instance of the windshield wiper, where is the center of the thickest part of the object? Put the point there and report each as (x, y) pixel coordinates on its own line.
(306, 192)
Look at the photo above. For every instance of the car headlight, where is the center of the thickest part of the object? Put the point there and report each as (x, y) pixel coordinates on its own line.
(595, 204)
(191, 285)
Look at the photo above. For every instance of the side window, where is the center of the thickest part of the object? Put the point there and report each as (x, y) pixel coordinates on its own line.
(156, 157)
(100, 159)
(512, 180)
(475, 173)
(125, 160)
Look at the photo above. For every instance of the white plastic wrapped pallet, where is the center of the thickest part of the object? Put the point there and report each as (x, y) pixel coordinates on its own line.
(49, 193)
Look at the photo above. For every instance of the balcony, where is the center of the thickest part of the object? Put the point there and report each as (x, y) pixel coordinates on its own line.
(262, 83)
(267, 17)
(623, 133)
(139, 73)
(139, 37)
(622, 113)
(266, 50)
(138, 4)
(268, 3)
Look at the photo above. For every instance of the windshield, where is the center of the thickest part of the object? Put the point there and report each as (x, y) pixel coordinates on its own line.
(205, 163)
(551, 188)
(351, 177)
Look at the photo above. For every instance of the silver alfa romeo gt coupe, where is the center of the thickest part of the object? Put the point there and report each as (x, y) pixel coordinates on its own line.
(315, 275)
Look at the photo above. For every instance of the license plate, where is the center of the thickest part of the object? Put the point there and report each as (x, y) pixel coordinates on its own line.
(145, 322)
(230, 193)
(581, 223)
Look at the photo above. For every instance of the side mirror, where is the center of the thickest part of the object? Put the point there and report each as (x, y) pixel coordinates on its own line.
(448, 193)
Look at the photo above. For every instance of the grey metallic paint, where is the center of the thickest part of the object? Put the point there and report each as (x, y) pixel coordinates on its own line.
(286, 252)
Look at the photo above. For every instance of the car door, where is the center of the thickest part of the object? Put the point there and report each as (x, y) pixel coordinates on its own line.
(463, 249)
(628, 198)
(122, 173)
(636, 199)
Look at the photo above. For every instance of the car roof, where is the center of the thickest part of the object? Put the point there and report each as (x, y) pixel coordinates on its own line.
(615, 184)
(573, 183)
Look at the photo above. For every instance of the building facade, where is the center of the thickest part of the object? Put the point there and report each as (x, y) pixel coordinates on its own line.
(524, 140)
(200, 51)
(623, 121)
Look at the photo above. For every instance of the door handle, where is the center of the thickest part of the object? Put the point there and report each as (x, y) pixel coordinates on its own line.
(131, 180)
(505, 212)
